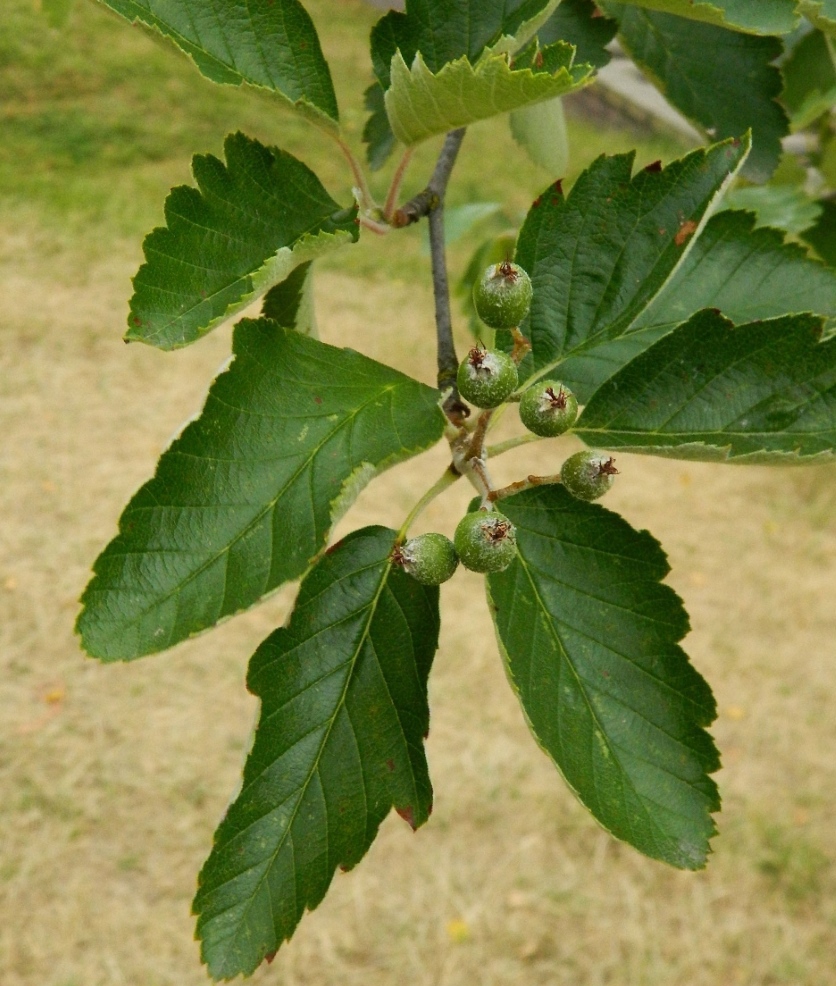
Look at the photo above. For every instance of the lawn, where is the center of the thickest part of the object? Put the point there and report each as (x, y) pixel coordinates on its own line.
(113, 778)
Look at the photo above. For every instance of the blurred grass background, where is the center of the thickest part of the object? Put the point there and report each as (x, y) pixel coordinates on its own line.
(113, 778)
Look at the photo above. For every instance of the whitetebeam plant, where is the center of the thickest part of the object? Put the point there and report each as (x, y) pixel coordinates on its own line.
(679, 330)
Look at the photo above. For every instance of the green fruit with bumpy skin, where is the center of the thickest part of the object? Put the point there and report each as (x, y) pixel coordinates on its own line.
(486, 541)
(486, 377)
(548, 408)
(588, 474)
(502, 295)
(429, 558)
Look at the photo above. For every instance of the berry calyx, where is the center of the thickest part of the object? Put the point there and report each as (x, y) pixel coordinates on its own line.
(429, 558)
(502, 295)
(588, 474)
(486, 377)
(548, 408)
(486, 541)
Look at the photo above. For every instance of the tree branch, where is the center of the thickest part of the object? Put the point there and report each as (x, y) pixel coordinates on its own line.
(448, 361)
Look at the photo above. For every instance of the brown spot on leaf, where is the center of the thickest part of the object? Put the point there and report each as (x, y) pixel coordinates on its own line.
(268, 958)
(317, 400)
(686, 231)
(390, 764)
(653, 167)
(408, 815)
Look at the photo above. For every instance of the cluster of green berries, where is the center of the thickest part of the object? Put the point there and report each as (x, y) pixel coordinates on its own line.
(485, 541)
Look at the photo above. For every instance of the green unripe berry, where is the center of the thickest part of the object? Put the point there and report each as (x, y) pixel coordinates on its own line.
(429, 558)
(588, 475)
(548, 408)
(486, 541)
(486, 377)
(502, 295)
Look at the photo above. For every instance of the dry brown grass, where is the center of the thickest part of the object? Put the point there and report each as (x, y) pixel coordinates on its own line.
(114, 777)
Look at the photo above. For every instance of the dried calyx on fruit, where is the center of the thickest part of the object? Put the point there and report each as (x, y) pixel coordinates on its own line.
(486, 377)
(502, 295)
(429, 558)
(548, 408)
(486, 541)
(588, 474)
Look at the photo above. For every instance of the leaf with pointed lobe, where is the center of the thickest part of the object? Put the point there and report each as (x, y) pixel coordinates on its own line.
(245, 498)
(340, 741)
(590, 639)
(246, 226)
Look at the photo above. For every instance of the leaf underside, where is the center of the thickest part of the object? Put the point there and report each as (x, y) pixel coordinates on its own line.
(822, 13)
(421, 103)
(746, 273)
(340, 741)
(723, 82)
(242, 230)
(758, 393)
(245, 498)
(271, 44)
(599, 256)
(590, 641)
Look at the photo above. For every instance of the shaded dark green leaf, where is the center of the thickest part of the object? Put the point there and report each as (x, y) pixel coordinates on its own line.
(580, 23)
(271, 44)
(822, 236)
(590, 640)
(723, 81)
(809, 79)
(290, 302)
(339, 742)
(751, 16)
(758, 393)
(242, 230)
(245, 498)
(377, 133)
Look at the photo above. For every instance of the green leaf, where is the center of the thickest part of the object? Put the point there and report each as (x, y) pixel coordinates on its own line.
(377, 133)
(821, 12)
(447, 30)
(590, 642)
(746, 273)
(598, 257)
(245, 498)
(722, 81)
(785, 207)
(57, 12)
(270, 44)
(580, 23)
(822, 236)
(758, 393)
(290, 303)
(422, 104)
(343, 717)
(810, 79)
(750, 16)
(244, 229)
(541, 130)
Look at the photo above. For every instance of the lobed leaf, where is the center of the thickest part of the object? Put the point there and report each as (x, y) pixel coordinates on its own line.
(758, 393)
(590, 640)
(421, 104)
(245, 498)
(242, 230)
(746, 273)
(599, 256)
(723, 81)
(750, 16)
(343, 717)
(270, 44)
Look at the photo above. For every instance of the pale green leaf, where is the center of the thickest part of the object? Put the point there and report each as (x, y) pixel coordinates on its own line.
(541, 130)
(810, 79)
(340, 741)
(758, 393)
(786, 207)
(245, 498)
(822, 13)
(246, 226)
(590, 638)
(421, 104)
(270, 44)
